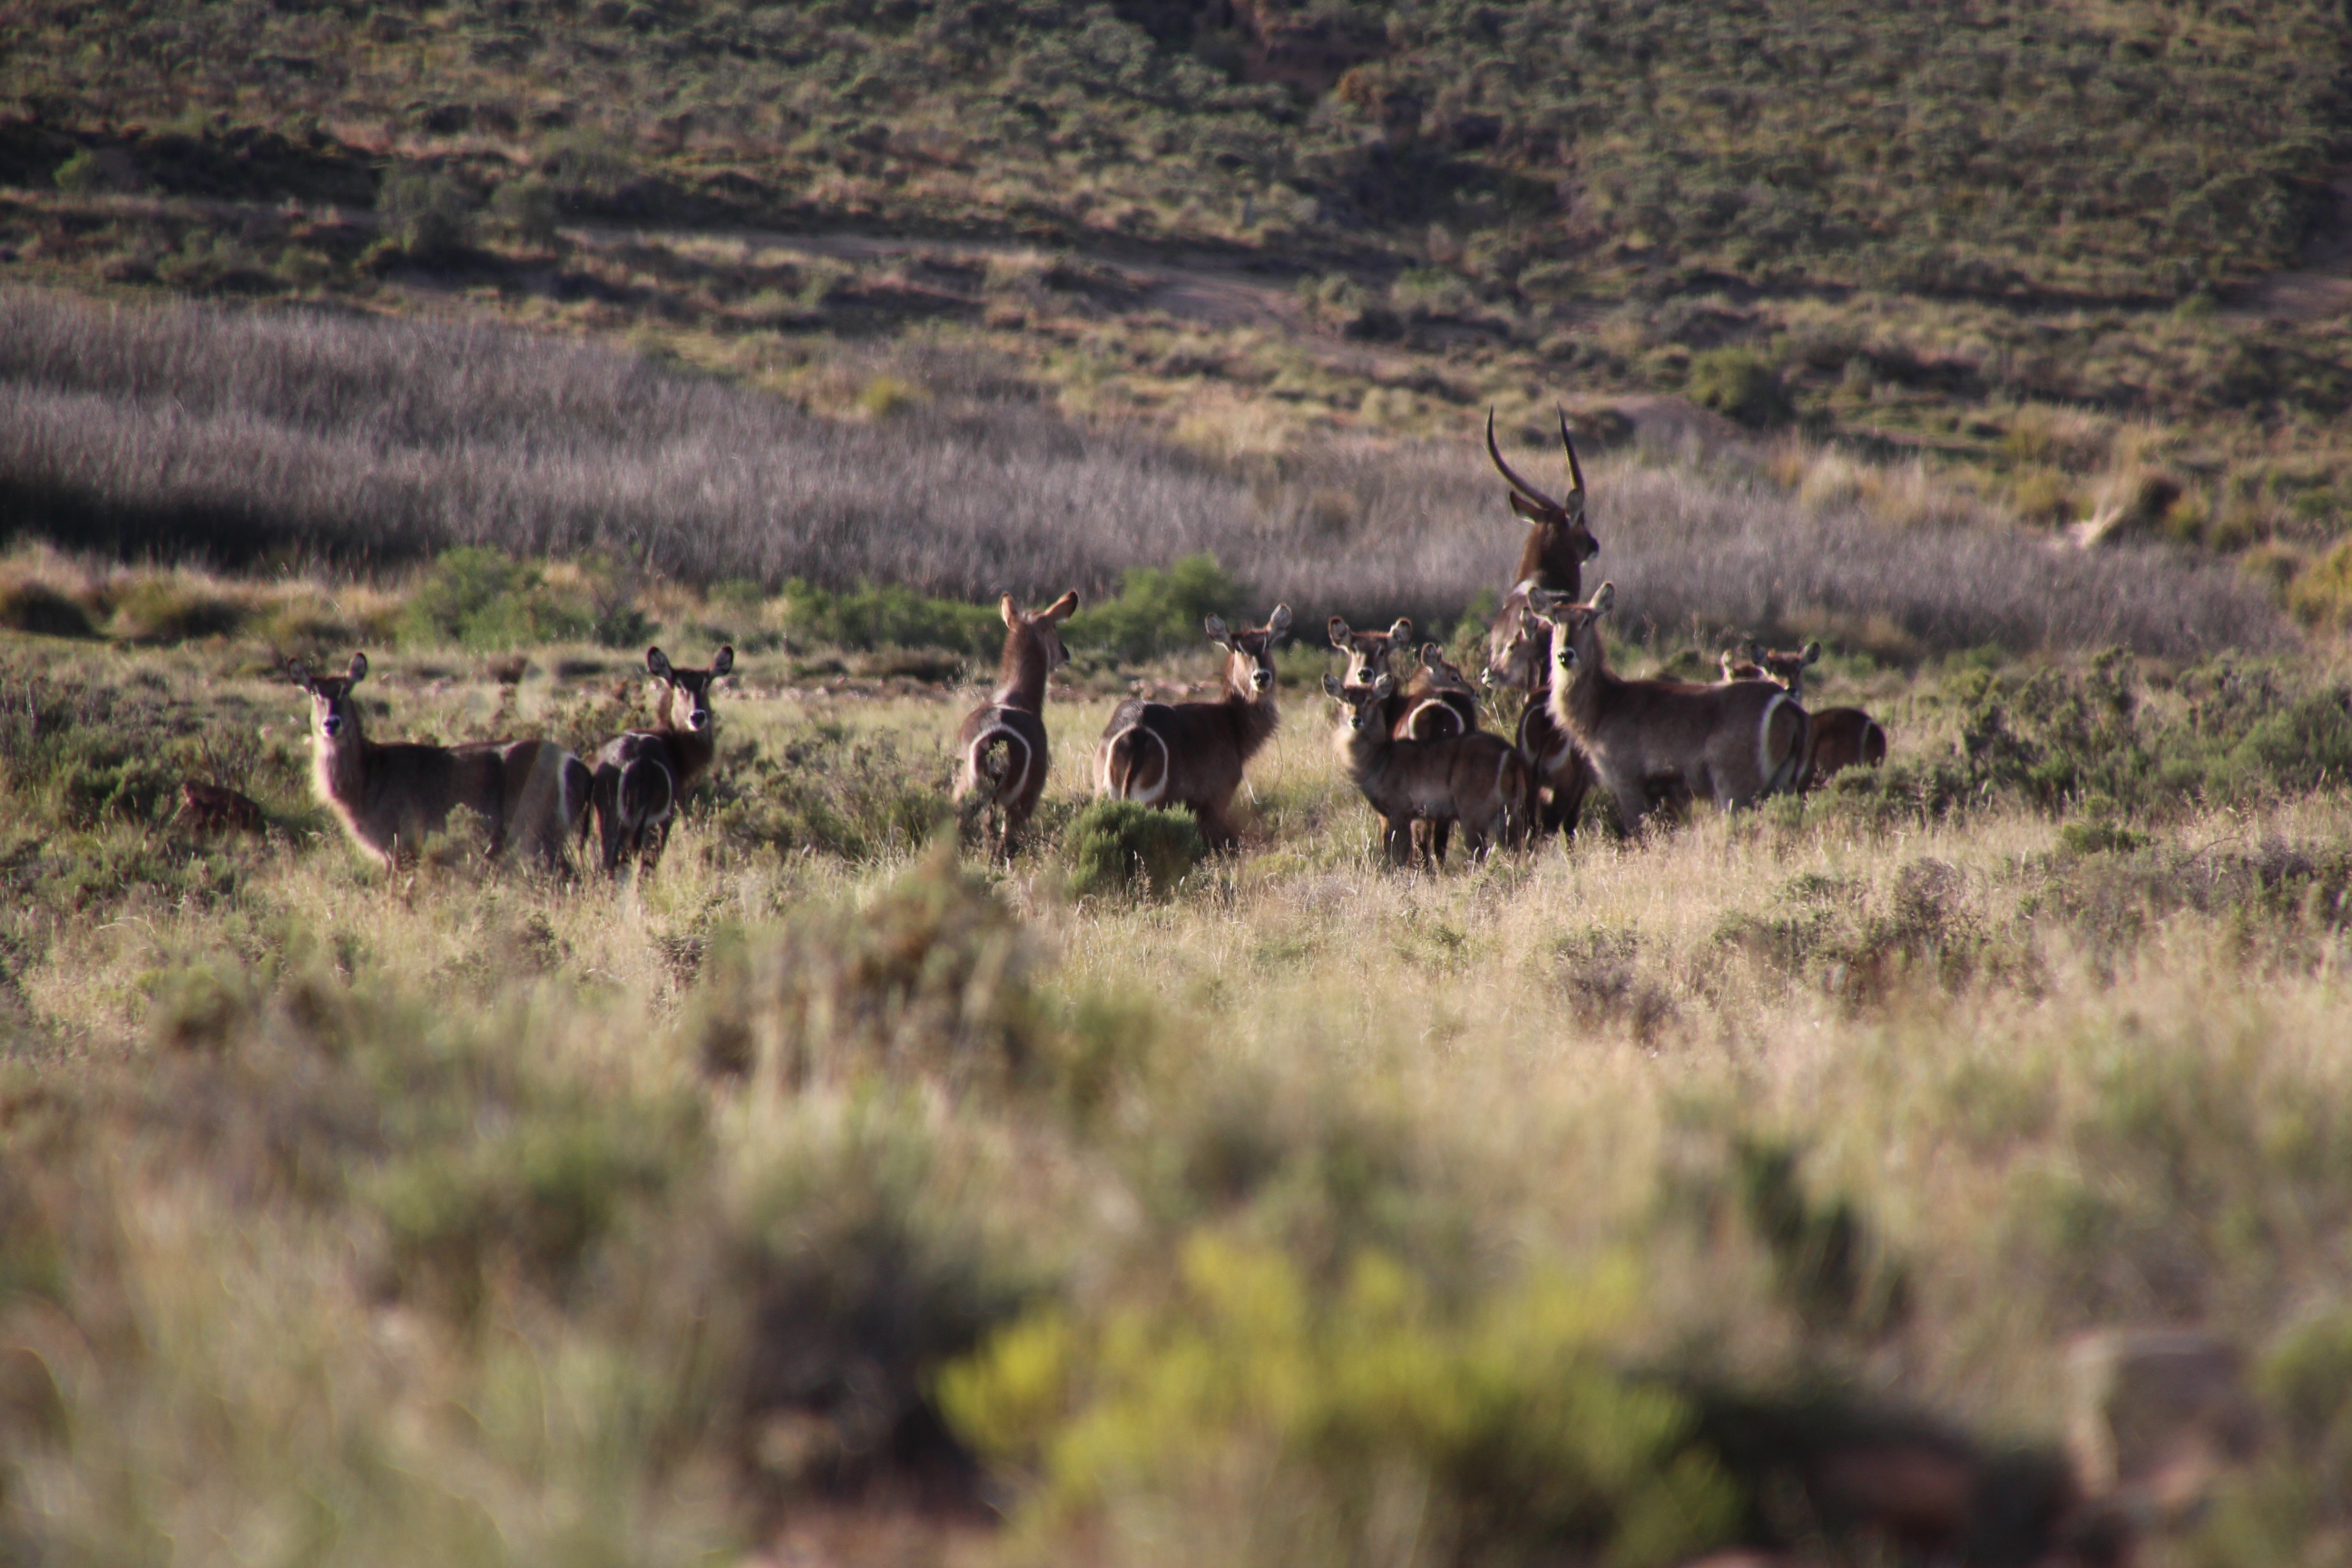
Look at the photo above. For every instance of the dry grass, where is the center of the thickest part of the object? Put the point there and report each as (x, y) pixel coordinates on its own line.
(245, 434)
(424, 1212)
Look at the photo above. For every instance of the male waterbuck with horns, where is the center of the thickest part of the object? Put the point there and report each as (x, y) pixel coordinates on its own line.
(1477, 779)
(1732, 742)
(1842, 738)
(1002, 741)
(1519, 647)
(390, 797)
(1193, 754)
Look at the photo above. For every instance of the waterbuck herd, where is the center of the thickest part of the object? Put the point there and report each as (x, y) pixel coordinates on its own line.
(1408, 732)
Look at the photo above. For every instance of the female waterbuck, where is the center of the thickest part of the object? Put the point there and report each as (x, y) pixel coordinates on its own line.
(390, 797)
(1477, 779)
(1193, 754)
(1002, 741)
(642, 775)
(1732, 742)
(1432, 699)
(1519, 648)
(1842, 738)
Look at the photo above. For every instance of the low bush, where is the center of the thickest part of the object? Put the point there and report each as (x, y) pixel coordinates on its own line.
(1118, 846)
(483, 599)
(888, 615)
(824, 790)
(1308, 1409)
(168, 609)
(1157, 610)
(29, 605)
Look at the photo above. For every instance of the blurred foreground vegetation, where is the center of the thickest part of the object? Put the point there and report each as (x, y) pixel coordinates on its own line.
(817, 1188)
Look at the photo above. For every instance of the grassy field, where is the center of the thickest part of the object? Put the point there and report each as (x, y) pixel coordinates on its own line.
(2079, 262)
(832, 1196)
(819, 1194)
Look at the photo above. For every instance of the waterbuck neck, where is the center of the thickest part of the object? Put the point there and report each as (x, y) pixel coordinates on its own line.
(1253, 721)
(1020, 673)
(1577, 707)
(1553, 558)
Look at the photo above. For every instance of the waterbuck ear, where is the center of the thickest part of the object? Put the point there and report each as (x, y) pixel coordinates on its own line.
(358, 670)
(1278, 624)
(1533, 512)
(1337, 627)
(724, 662)
(1813, 653)
(299, 673)
(1331, 684)
(1063, 608)
(1384, 688)
(1401, 631)
(658, 664)
(1605, 599)
(1540, 598)
(1004, 607)
(1218, 633)
(1432, 657)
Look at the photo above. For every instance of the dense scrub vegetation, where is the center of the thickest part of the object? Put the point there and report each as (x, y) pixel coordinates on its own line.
(816, 1186)
(2085, 258)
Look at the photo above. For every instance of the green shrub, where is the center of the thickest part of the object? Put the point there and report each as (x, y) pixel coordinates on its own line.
(874, 616)
(29, 605)
(859, 797)
(1157, 610)
(101, 171)
(1118, 846)
(2322, 595)
(161, 609)
(1250, 1404)
(930, 980)
(428, 214)
(1738, 382)
(481, 599)
(527, 209)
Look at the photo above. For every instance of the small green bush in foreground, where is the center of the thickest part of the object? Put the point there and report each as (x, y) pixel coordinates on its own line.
(1118, 846)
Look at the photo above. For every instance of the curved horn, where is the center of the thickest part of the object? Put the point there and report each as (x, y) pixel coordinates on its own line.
(1517, 483)
(1575, 468)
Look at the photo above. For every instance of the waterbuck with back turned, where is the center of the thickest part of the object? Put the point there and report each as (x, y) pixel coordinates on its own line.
(1002, 741)
(1842, 738)
(1477, 779)
(642, 776)
(1519, 648)
(1193, 754)
(390, 797)
(1733, 742)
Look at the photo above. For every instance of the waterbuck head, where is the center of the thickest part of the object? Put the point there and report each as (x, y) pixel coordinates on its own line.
(682, 697)
(1575, 628)
(1249, 653)
(1363, 708)
(334, 717)
(1443, 674)
(1044, 626)
(1787, 668)
(1369, 653)
(1559, 544)
(1519, 646)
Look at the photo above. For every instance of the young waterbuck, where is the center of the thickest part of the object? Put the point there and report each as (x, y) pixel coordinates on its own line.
(1002, 741)
(1842, 738)
(642, 775)
(1193, 754)
(1477, 779)
(390, 797)
(1519, 648)
(1432, 699)
(1732, 742)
